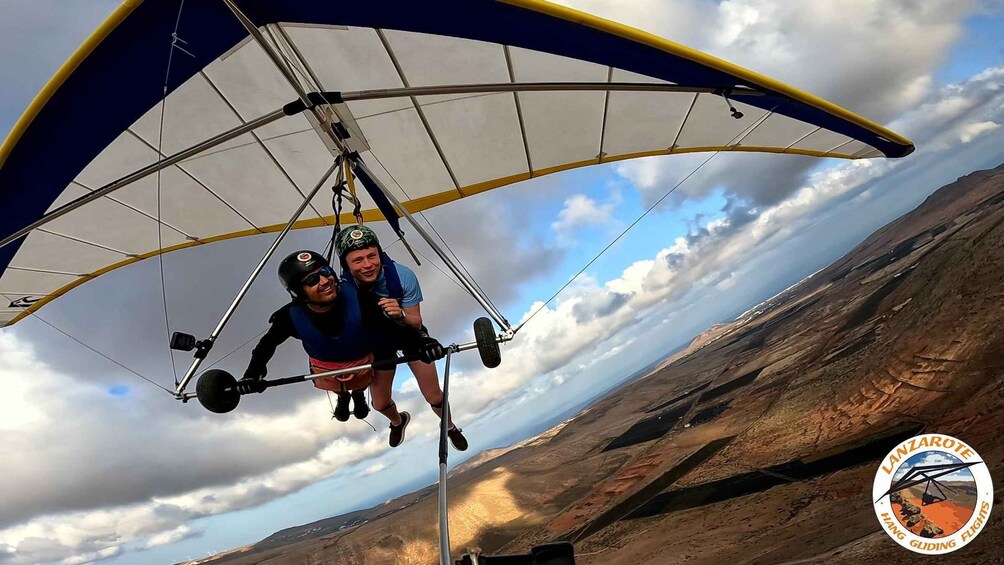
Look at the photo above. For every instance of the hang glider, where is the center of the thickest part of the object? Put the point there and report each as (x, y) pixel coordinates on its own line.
(181, 124)
(440, 100)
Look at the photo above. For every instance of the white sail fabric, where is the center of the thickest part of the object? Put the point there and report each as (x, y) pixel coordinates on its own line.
(428, 150)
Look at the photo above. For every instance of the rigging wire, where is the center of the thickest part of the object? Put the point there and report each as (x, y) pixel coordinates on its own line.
(459, 262)
(281, 49)
(441, 238)
(82, 344)
(160, 158)
(332, 405)
(440, 269)
(615, 240)
(238, 348)
(738, 136)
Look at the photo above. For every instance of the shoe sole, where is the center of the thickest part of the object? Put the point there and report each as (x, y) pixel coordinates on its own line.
(455, 445)
(405, 420)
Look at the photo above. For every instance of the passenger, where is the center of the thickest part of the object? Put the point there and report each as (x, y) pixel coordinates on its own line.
(389, 295)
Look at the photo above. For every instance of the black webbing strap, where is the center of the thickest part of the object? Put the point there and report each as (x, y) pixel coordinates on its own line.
(386, 208)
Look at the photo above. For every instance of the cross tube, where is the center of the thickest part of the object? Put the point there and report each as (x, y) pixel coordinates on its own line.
(149, 170)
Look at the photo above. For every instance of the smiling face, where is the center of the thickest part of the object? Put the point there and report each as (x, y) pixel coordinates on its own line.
(364, 264)
(325, 291)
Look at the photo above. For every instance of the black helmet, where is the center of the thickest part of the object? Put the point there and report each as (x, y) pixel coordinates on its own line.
(296, 266)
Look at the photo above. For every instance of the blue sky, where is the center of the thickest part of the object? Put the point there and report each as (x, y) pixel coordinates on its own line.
(935, 458)
(978, 49)
(153, 474)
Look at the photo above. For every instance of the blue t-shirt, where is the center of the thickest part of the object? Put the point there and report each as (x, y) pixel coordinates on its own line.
(409, 283)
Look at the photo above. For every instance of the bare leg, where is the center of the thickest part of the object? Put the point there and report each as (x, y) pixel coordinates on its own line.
(383, 403)
(428, 383)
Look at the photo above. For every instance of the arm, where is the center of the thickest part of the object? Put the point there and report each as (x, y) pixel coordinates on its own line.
(407, 311)
(410, 316)
(280, 329)
(428, 347)
(413, 316)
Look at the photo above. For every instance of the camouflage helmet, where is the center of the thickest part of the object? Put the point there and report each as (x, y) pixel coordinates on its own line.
(353, 238)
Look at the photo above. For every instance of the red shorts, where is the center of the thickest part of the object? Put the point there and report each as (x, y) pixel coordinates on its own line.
(342, 383)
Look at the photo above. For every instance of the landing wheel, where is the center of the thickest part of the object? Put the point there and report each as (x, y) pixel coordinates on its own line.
(488, 345)
(217, 391)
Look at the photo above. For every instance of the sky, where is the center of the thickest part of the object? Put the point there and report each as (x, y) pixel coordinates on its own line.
(100, 465)
(935, 458)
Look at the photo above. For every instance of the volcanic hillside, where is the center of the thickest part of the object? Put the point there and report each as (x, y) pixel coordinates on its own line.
(761, 444)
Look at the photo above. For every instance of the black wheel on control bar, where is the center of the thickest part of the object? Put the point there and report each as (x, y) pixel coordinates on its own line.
(488, 345)
(217, 391)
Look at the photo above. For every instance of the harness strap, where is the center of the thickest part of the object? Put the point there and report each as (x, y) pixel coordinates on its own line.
(394, 287)
(357, 208)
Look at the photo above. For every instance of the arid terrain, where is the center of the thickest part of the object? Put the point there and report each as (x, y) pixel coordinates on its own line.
(760, 442)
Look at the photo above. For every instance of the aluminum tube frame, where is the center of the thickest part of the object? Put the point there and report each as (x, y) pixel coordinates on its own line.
(304, 378)
(254, 275)
(379, 93)
(280, 65)
(444, 511)
(252, 30)
(502, 338)
(146, 171)
(468, 285)
(453, 348)
(302, 94)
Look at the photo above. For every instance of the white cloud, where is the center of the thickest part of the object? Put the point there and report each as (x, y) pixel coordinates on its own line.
(171, 536)
(136, 449)
(879, 63)
(956, 113)
(972, 130)
(106, 553)
(161, 521)
(575, 329)
(373, 469)
(876, 58)
(582, 211)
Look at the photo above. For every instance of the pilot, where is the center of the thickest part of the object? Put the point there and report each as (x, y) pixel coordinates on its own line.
(325, 315)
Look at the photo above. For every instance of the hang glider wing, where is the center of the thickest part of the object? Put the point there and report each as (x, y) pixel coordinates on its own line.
(442, 100)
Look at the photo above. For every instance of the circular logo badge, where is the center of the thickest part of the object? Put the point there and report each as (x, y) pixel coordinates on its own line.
(356, 234)
(933, 494)
(304, 256)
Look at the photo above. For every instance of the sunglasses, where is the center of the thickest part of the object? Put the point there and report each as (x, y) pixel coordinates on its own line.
(314, 278)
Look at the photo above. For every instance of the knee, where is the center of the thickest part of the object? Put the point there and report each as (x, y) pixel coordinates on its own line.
(435, 400)
(382, 405)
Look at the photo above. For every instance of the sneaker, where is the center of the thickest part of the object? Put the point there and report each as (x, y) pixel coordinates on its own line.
(342, 408)
(397, 432)
(457, 438)
(359, 407)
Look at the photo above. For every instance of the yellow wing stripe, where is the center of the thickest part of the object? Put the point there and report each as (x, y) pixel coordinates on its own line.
(64, 72)
(645, 38)
(413, 206)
